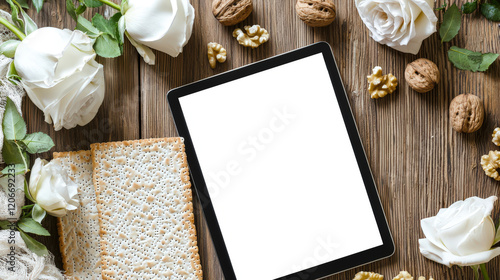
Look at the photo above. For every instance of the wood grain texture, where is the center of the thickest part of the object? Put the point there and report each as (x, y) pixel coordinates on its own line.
(419, 163)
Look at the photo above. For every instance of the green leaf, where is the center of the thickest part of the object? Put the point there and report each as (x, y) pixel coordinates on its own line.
(38, 5)
(4, 225)
(469, 7)
(81, 9)
(86, 26)
(8, 48)
(28, 207)
(106, 46)
(70, 7)
(491, 10)
(38, 214)
(27, 192)
(497, 237)
(451, 24)
(92, 3)
(12, 75)
(105, 26)
(35, 246)
(38, 142)
(121, 30)
(14, 127)
(23, 4)
(32, 226)
(29, 24)
(13, 154)
(488, 59)
(15, 15)
(442, 7)
(19, 169)
(468, 60)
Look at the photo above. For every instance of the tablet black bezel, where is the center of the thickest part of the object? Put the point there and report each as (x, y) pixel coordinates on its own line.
(335, 266)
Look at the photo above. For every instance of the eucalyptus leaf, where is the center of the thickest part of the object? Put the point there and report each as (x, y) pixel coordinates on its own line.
(38, 5)
(469, 7)
(8, 48)
(18, 169)
(14, 127)
(106, 46)
(38, 142)
(86, 26)
(469, 60)
(12, 75)
(92, 3)
(35, 246)
(491, 10)
(452, 20)
(32, 226)
(38, 214)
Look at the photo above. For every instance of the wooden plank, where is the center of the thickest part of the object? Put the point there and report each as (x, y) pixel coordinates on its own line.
(419, 163)
(118, 117)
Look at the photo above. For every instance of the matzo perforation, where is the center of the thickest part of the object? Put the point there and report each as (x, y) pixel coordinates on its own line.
(79, 229)
(145, 210)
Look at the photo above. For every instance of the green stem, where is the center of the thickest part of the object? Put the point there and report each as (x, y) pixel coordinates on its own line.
(12, 28)
(111, 4)
(484, 272)
(22, 156)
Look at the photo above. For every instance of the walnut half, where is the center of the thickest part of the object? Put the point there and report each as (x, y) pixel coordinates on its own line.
(380, 85)
(363, 275)
(496, 136)
(490, 164)
(254, 36)
(403, 275)
(216, 53)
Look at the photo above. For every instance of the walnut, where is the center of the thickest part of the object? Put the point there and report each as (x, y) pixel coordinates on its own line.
(216, 53)
(362, 275)
(231, 12)
(254, 37)
(490, 164)
(380, 85)
(316, 13)
(403, 275)
(466, 113)
(422, 75)
(423, 278)
(496, 136)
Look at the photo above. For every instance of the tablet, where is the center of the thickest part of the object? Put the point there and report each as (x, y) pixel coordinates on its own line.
(277, 163)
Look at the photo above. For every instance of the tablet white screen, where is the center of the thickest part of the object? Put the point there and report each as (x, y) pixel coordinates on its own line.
(280, 170)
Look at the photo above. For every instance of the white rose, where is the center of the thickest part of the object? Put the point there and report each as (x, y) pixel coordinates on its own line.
(59, 72)
(400, 24)
(164, 25)
(52, 189)
(462, 234)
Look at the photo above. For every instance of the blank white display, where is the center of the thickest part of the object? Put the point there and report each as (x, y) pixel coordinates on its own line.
(280, 170)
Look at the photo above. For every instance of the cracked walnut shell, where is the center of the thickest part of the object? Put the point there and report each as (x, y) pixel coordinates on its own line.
(254, 36)
(363, 275)
(403, 275)
(216, 53)
(316, 13)
(380, 85)
(496, 136)
(490, 164)
(466, 113)
(422, 75)
(231, 12)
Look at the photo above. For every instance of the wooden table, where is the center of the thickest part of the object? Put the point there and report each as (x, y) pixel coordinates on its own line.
(419, 163)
